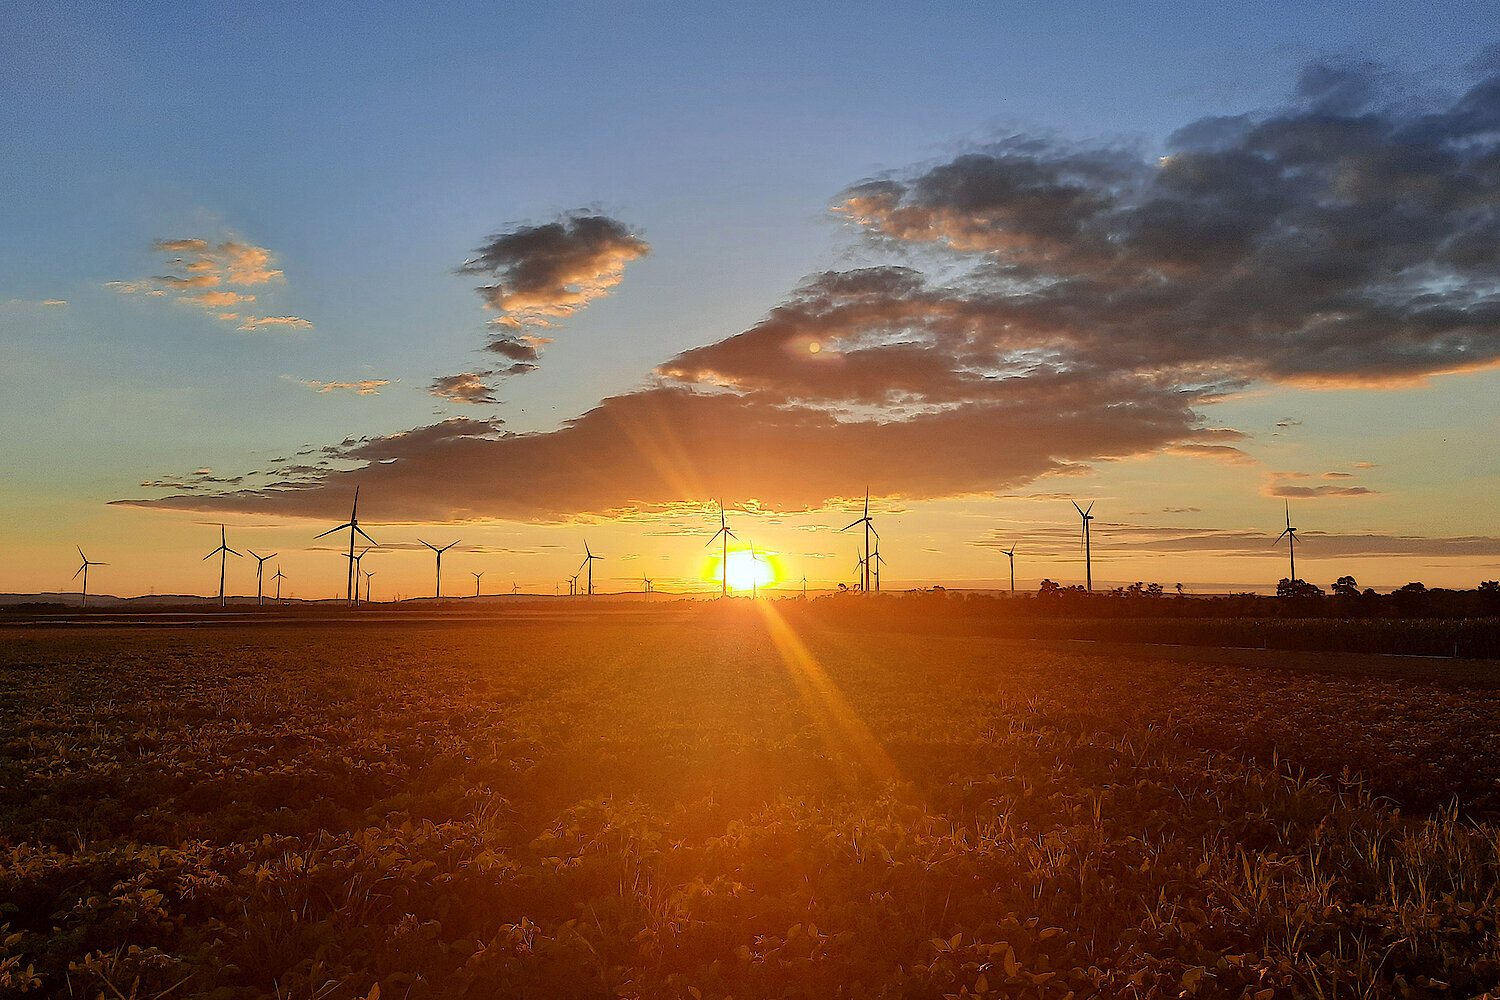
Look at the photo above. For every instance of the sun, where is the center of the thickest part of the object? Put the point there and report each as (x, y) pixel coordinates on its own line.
(747, 572)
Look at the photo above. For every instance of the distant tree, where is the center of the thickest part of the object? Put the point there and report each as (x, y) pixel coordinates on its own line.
(1048, 589)
(1345, 587)
(1155, 589)
(1179, 589)
(1490, 587)
(1297, 588)
(1413, 589)
(1136, 589)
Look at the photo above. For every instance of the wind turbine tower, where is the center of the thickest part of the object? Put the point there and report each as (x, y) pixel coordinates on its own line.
(278, 578)
(1088, 562)
(724, 557)
(440, 552)
(1290, 534)
(476, 581)
(354, 528)
(84, 569)
(367, 585)
(869, 528)
(260, 566)
(1011, 552)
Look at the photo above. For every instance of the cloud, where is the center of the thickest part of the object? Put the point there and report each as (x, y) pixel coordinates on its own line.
(54, 302)
(1280, 485)
(469, 387)
(1335, 241)
(549, 272)
(202, 268)
(258, 322)
(1145, 541)
(364, 387)
(1073, 305)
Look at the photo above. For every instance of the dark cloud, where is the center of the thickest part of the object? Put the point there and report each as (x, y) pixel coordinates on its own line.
(1332, 242)
(1283, 485)
(469, 387)
(1083, 304)
(548, 272)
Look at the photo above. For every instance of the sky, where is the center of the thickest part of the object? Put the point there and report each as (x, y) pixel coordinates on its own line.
(536, 278)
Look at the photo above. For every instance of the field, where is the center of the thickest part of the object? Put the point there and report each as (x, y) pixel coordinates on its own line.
(735, 800)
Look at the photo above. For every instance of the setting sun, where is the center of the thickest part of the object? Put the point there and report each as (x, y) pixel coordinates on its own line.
(747, 572)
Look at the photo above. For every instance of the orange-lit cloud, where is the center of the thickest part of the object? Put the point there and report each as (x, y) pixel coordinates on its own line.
(364, 387)
(202, 268)
(259, 322)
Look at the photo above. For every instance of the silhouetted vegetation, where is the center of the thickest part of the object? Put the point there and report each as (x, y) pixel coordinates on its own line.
(1412, 620)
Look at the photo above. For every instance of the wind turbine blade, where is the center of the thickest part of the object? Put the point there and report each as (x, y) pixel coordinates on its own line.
(231, 551)
(77, 571)
(1278, 539)
(80, 553)
(212, 554)
(366, 537)
(428, 544)
(332, 530)
(850, 525)
(1077, 508)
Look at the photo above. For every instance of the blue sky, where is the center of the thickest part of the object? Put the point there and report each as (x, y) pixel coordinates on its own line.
(372, 149)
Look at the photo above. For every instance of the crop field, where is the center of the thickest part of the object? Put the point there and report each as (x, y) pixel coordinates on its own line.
(730, 801)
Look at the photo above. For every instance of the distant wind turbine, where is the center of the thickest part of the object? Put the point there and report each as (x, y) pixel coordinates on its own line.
(724, 557)
(354, 562)
(278, 578)
(84, 569)
(223, 552)
(440, 552)
(804, 584)
(877, 558)
(1088, 563)
(588, 561)
(859, 570)
(368, 575)
(260, 565)
(1290, 534)
(1011, 552)
(754, 575)
(646, 585)
(869, 528)
(354, 528)
(476, 581)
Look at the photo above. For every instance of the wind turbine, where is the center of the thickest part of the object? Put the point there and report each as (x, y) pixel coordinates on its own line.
(804, 584)
(515, 588)
(278, 578)
(1011, 552)
(260, 565)
(754, 576)
(440, 552)
(588, 560)
(1088, 564)
(573, 585)
(223, 552)
(724, 558)
(367, 585)
(476, 577)
(353, 527)
(869, 527)
(859, 570)
(646, 586)
(84, 569)
(354, 564)
(1290, 534)
(877, 559)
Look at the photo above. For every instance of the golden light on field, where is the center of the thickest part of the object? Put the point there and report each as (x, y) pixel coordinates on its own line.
(746, 572)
